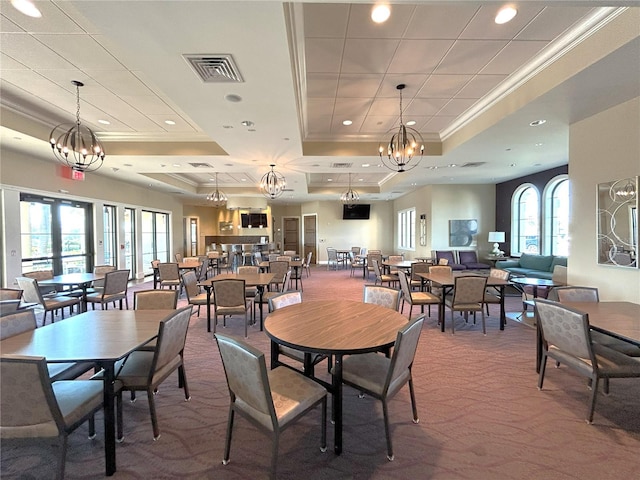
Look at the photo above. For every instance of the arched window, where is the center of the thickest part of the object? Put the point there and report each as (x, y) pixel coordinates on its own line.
(556, 216)
(525, 223)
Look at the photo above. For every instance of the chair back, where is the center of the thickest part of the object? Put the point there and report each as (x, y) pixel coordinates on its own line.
(469, 289)
(248, 270)
(278, 268)
(30, 291)
(116, 282)
(178, 257)
(355, 250)
(8, 306)
(307, 263)
(172, 335)
(39, 274)
(382, 295)
(376, 268)
(418, 267)
(285, 281)
(229, 292)
(284, 299)
(373, 256)
(445, 255)
(375, 252)
(102, 270)
(499, 273)
(155, 299)
(168, 271)
(17, 323)
(404, 286)
(10, 294)
(332, 255)
(273, 257)
(283, 258)
(154, 264)
(577, 294)
(28, 406)
(289, 253)
(258, 256)
(403, 353)
(246, 371)
(564, 328)
(440, 269)
(190, 283)
(468, 256)
(395, 258)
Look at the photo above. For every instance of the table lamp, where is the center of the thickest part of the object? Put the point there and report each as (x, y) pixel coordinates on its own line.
(497, 238)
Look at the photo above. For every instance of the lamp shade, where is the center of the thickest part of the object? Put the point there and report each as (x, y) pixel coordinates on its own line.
(497, 237)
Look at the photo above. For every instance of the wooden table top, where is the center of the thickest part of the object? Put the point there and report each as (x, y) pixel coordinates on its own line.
(250, 279)
(619, 318)
(334, 326)
(91, 336)
(449, 280)
(72, 279)
(292, 263)
(401, 264)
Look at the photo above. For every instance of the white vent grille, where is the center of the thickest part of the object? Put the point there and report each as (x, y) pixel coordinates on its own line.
(201, 165)
(215, 68)
(341, 165)
(472, 164)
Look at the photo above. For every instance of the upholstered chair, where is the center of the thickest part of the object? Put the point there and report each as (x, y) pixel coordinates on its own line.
(114, 290)
(230, 299)
(468, 296)
(415, 298)
(32, 294)
(382, 295)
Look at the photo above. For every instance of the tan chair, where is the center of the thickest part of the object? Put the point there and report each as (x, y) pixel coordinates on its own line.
(566, 338)
(266, 296)
(250, 292)
(468, 296)
(156, 272)
(394, 258)
(115, 290)
(356, 263)
(155, 300)
(381, 295)
(8, 307)
(46, 290)
(383, 277)
(31, 294)
(283, 258)
(306, 265)
(35, 409)
(492, 294)
(290, 253)
(179, 257)
(416, 281)
(383, 377)
(98, 285)
(370, 258)
(146, 370)
(195, 296)
(332, 258)
(415, 298)
(284, 299)
(278, 268)
(271, 399)
(169, 275)
(438, 270)
(10, 294)
(230, 299)
(25, 321)
(590, 294)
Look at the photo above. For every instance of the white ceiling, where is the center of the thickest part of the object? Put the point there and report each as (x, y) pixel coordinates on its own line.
(307, 66)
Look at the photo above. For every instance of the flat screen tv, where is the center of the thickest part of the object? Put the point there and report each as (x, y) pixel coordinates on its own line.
(356, 212)
(253, 220)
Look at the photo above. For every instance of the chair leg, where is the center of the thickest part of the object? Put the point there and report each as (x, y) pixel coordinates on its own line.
(152, 411)
(227, 446)
(92, 427)
(414, 407)
(592, 400)
(323, 435)
(484, 328)
(543, 365)
(182, 376)
(62, 458)
(385, 414)
(274, 454)
(453, 323)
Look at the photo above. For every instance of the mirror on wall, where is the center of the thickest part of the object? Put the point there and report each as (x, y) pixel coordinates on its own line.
(618, 223)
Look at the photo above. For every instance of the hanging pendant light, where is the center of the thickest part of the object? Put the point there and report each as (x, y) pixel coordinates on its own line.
(272, 183)
(350, 197)
(217, 198)
(405, 147)
(75, 145)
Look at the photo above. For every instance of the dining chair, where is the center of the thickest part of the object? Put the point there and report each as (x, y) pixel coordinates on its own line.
(356, 263)
(492, 294)
(10, 294)
(468, 296)
(195, 295)
(46, 290)
(394, 258)
(370, 258)
(250, 292)
(278, 268)
(25, 321)
(417, 282)
(114, 290)
(271, 400)
(438, 270)
(290, 253)
(332, 258)
(169, 275)
(33, 409)
(383, 277)
(8, 307)
(306, 266)
(31, 294)
(155, 300)
(284, 258)
(146, 370)
(156, 272)
(590, 294)
(179, 258)
(266, 296)
(566, 338)
(230, 299)
(382, 295)
(415, 298)
(383, 377)
(98, 285)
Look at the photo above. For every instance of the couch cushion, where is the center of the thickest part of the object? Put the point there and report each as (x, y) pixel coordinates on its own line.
(536, 262)
(562, 261)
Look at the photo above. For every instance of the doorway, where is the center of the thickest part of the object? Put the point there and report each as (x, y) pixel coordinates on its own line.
(291, 239)
(310, 237)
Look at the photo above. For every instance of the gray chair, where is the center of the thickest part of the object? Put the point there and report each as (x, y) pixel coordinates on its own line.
(492, 294)
(383, 377)
(25, 321)
(250, 292)
(415, 298)
(32, 294)
(230, 299)
(155, 299)
(266, 296)
(146, 370)
(195, 296)
(98, 285)
(468, 296)
(115, 290)
(371, 256)
(35, 409)
(383, 277)
(381, 295)
(278, 268)
(271, 400)
(332, 258)
(169, 275)
(306, 265)
(10, 294)
(566, 338)
(416, 281)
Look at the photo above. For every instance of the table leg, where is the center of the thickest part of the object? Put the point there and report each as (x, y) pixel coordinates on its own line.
(337, 403)
(208, 289)
(441, 309)
(275, 349)
(260, 289)
(296, 275)
(364, 270)
(109, 420)
(84, 297)
(538, 347)
(503, 317)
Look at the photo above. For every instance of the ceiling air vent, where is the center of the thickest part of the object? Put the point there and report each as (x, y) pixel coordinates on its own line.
(472, 164)
(200, 165)
(215, 68)
(341, 165)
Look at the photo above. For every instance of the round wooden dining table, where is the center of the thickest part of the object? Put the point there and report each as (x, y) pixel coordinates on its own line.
(337, 328)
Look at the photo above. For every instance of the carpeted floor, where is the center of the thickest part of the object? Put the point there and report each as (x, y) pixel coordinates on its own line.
(481, 417)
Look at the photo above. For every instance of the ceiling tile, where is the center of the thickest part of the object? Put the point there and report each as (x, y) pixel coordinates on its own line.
(440, 21)
(419, 56)
(351, 85)
(325, 20)
(467, 56)
(484, 27)
(552, 21)
(80, 50)
(53, 19)
(352, 106)
(368, 56)
(385, 107)
(425, 106)
(9, 63)
(181, 125)
(31, 52)
(438, 123)
(457, 106)
(120, 82)
(443, 86)
(7, 26)
(322, 84)
(149, 105)
(318, 123)
(480, 85)
(323, 55)
(320, 106)
(378, 123)
(353, 129)
(413, 83)
(361, 26)
(512, 57)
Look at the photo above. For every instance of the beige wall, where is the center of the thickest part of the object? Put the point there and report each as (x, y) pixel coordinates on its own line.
(602, 148)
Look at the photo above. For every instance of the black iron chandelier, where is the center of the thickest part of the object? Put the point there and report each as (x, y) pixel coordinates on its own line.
(272, 183)
(217, 198)
(405, 147)
(350, 197)
(76, 145)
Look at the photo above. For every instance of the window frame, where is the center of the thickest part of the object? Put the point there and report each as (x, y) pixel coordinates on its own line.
(516, 219)
(407, 229)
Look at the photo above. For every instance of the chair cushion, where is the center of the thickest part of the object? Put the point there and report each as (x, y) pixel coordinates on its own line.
(536, 262)
(78, 398)
(68, 371)
(292, 393)
(370, 372)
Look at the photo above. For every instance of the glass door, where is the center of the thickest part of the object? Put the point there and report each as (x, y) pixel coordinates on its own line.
(130, 241)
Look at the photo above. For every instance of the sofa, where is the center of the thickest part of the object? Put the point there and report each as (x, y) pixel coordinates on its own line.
(460, 260)
(536, 266)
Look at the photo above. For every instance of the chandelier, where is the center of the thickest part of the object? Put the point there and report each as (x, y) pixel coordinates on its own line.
(404, 144)
(350, 196)
(272, 183)
(217, 198)
(75, 145)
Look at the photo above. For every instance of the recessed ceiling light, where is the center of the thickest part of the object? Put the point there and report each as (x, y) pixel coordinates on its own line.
(176, 164)
(169, 122)
(26, 7)
(233, 98)
(329, 179)
(380, 13)
(537, 123)
(411, 123)
(286, 139)
(505, 15)
(104, 122)
(452, 165)
(243, 179)
(365, 165)
(361, 179)
(512, 165)
(228, 164)
(539, 144)
(347, 122)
